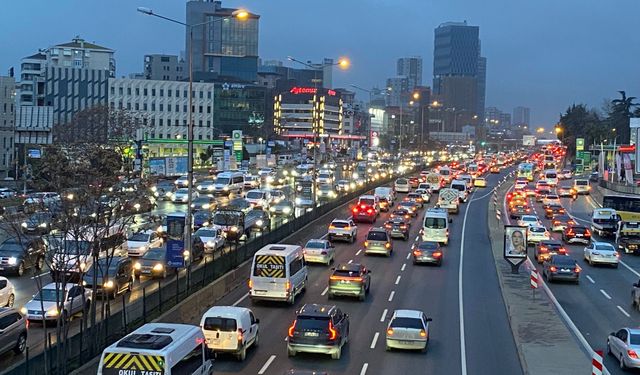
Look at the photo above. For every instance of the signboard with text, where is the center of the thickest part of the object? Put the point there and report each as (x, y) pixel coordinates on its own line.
(175, 239)
(579, 144)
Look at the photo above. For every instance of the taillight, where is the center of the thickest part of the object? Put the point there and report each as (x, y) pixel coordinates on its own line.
(287, 285)
(387, 245)
(292, 328)
(388, 226)
(553, 269)
(437, 254)
(250, 284)
(332, 227)
(332, 332)
(239, 335)
(562, 250)
(632, 354)
(543, 249)
(355, 210)
(390, 331)
(417, 252)
(369, 211)
(587, 233)
(366, 243)
(403, 227)
(577, 269)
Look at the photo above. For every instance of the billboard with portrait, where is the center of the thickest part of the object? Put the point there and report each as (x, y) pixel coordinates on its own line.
(515, 244)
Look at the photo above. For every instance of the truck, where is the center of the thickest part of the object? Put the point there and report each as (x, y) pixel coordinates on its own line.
(235, 225)
(604, 222)
(628, 237)
(448, 198)
(305, 189)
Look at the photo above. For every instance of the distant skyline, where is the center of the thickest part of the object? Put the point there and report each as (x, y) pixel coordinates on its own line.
(544, 55)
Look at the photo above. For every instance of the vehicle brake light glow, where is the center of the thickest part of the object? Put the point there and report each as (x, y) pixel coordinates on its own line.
(553, 269)
(387, 245)
(577, 269)
(250, 284)
(437, 254)
(239, 335)
(292, 328)
(366, 243)
(332, 332)
(287, 285)
(423, 333)
(632, 354)
(390, 331)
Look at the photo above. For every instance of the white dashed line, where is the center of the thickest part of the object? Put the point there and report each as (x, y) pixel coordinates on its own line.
(590, 279)
(364, 369)
(350, 261)
(40, 275)
(417, 238)
(384, 315)
(358, 252)
(374, 341)
(398, 280)
(325, 291)
(630, 269)
(622, 311)
(393, 293)
(605, 294)
(404, 265)
(236, 303)
(408, 255)
(266, 365)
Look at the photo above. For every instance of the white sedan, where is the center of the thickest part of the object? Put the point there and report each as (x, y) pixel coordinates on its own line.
(408, 329)
(601, 253)
(181, 195)
(7, 292)
(550, 199)
(537, 233)
(319, 251)
(529, 221)
(212, 238)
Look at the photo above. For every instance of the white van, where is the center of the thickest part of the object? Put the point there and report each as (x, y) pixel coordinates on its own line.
(229, 182)
(446, 174)
(450, 199)
(278, 273)
(435, 226)
(551, 177)
(582, 186)
(157, 348)
(461, 187)
(385, 192)
(230, 329)
(258, 198)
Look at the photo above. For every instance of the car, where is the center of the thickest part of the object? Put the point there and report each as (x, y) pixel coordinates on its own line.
(537, 233)
(408, 329)
(13, 331)
(385, 205)
(251, 182)
(427, 252)
(564, 191)
(7, 193)
(277, 196)
(550, 199)
(576, 233)
(378, 241)
(565, 174)
(181, 195)
(137, 243)
(204, 203)
(560, 267)
(494, 169)
(201, 219)
(364, 212)
(206, 187)
(55, 301)
(112, 276)
(18, 254)
(345, 230)
(624, 345)
(401, 212)
(411, 207)
(319, 251)
(7, 292)
(239, 204)
(402, 185)
(183, 181)
(398, 227)
(353, 280)
(542, 192)
(601, 253)
(545, 249)
(38, 223)
(153, 263)
(326, 192)
(345, 186)
(520, 185)
(559, 222)
(480, 182)
(283, 208)
(318, 329)
(262, 220)
(594, 176)
(414, 198)
(528, 221)
(426, 196)
(163, 190)
(258, 198)
(212, 238)
(554, 209)
(230, 329)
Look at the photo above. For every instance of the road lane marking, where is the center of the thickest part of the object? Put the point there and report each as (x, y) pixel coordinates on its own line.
(266, 365)
(417, 238)
(350, 261)
(374, 341)
(358, 252)
(590, 279)
(408, 255)
(325, 291)
(384, 315)
(40, 275)
(398, 280)
(463, 345)
(605, 294)
(629, 268)
(404, 265)
(622, 311)
(364, 369)
(393, 293)
(236, 303)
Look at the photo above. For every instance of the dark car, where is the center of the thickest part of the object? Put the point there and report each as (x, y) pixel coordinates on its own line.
(283, 208)
(20, 254)
(13, 331)
(318, 329)
(351, 280)
(38, 223)
(400, 213)
(554, 209)
(239, 204)
(411, 207)
(201, 219)
(112, 276)
(414, 182)
(204, 203)
(576, 233)
(398, 227)
(427, 252)
(163, 189)
(560, 267)
(545, 249)
(516, 211)
(262, 220)
(153, 263)
(542, 192)
(593, 177)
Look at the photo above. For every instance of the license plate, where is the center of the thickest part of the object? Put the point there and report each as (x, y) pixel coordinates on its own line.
(565, 270)
(311, 334)
(578, 235)
(146, 271)
(344, 282)
(1, 268)
(405, 342)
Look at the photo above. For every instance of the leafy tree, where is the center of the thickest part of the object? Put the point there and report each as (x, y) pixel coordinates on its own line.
(579, 121)
(620, 113)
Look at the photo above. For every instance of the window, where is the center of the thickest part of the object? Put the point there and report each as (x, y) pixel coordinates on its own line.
(200, 95)
(161, 93)
(3, 284)
(177, 93)
(153, 92)
(209, 95)
(190, 362)
(168, 107)
(144, 92)
(112, 90)
(137, 91)
(119, 90)
(295, 266)
(153, 106)
(129, 106)
(8, 320)
(160, 122)
(137, 106)
(200, 109)
(184, 108)
(208, 109)
(144, 106)
(169, 93)
(161, 107)
(128, 90)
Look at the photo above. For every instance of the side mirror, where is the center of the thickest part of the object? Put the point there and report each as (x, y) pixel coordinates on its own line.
(450, 220)
(368, 271)
(257, 321)
(429, 319)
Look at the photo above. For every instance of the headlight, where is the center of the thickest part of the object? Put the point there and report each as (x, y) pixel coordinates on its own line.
(168, 194)
(356, 175)
(136, 206)
(137, 265)
(233, 229)
(206, 206)
(83, 266)
(185, 254)
(108, 285)
(270, 178)
(211, 188)
(84, 283)
(52, 312)
(298, 201)
(272, 209)
(210, 244)
(199, 187)
(286, 210)
(154, 189)
(24, 225)
(13, 260)
(23, 310)
(143, 248)
(259, 222)
(158, 267)
(176, 182)
(226, 188)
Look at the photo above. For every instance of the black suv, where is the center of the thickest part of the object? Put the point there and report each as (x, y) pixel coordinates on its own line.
(38, 223)
(19, 254)
(262, 220)
(318, 329)
(113, 275)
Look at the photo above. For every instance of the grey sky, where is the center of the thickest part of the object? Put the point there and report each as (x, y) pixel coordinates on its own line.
(543, 54)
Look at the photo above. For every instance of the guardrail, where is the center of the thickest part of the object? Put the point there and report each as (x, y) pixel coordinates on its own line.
(164, 297)
(620, 188)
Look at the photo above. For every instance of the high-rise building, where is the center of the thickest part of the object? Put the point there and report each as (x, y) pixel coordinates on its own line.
(522, 116)
(482, 86)
(7, 123)
(165, 68)
(226, 46)
(273, 74)
(32, 80)
(398, 89)
(411, 67)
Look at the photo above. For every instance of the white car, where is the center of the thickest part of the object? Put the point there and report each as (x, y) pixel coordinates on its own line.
(342, 229)
(537, 233)
(7, 292)
(183, 181)
(319, 251)
(181, 195)
(601, 253)
(258, 198)
(74, 299)
(402, 185)
(213, 239)
(551, 199)
(529, 221)
(138, 243)
(251, 182)
(277, 196)
(7, 193)
(408, 329)
(426, 197)
(520, 185)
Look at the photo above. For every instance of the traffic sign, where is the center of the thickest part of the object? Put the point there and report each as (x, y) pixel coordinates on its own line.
(579, 144)
(534, 279)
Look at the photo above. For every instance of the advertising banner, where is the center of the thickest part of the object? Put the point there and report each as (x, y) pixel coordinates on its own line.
(175, 240)
(634, 123)
(515, 244)
(528, 140)
(157, 167)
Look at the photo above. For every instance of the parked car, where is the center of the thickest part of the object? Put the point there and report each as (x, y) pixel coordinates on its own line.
(13, 331)
(19, 254)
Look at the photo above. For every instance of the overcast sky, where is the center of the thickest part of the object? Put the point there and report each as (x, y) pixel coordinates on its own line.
(544, 54)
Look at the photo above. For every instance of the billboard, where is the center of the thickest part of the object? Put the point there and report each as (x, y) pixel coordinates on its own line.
(156, 167)
(634, 123)
(579, 144)
(176, 165)
(528, 140)
(515, 244)
(175, 239)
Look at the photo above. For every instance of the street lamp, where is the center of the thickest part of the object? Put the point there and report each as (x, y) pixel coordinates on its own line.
(241, 15)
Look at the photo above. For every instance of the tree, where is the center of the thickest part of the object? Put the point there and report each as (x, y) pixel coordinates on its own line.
(579, 121)
(620, 114)
(100, 124)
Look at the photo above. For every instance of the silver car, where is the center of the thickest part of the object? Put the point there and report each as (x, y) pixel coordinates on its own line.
(408, 329)
(74, 298)
(13, 331)
(378, 242)
(625, 346)
(319, 251)
(7, 292)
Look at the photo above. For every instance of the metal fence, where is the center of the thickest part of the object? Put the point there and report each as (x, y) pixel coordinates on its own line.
(620, 188)
(159, 298)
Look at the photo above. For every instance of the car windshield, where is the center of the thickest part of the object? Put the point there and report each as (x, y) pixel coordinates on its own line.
(340, 224)
(220, 324)
(537, 230)
(76, 247)
(435, 223)
(255, 195)
(182, 191)
(459, 187)
(206, 233)
(377, 236)
(324, 175)
(345, 273)
(223, 180)
(315, 245)
(401, 181)
(154, 254)
(104, 266)
(605, 247)
(312, 323)
(201, 200)
(428, 246)
(634, 339)
(11, 247)
(551, 175)
(563, 261)
(411, 323)
(366, 201)
(139, 237)
(50, 295)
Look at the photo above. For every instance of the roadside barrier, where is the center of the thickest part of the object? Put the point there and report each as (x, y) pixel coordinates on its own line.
(596, 363)
(498, 215)
(534, 279)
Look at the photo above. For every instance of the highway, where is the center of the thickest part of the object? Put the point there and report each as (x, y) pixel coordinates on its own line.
(486, 340)
(601, 303)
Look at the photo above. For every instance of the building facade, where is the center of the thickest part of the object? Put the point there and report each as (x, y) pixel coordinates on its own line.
(410, 67)
(398, 89)
(7, 123)
(165, 68)
(305, 112)
(274, 74)
(522, 116)
(32, 80)
(226, 45)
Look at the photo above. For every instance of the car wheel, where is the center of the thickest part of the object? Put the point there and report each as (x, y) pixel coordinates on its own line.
(242, 355)
(11, 300)
(40, 263)
(337, 354)
(387, 348)
(363, 294)
(353, 238)
(623, 366)
(21, 345)
(256, 341)
(330, 296)
(290, 352)
(608, 348)
(20, 269)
